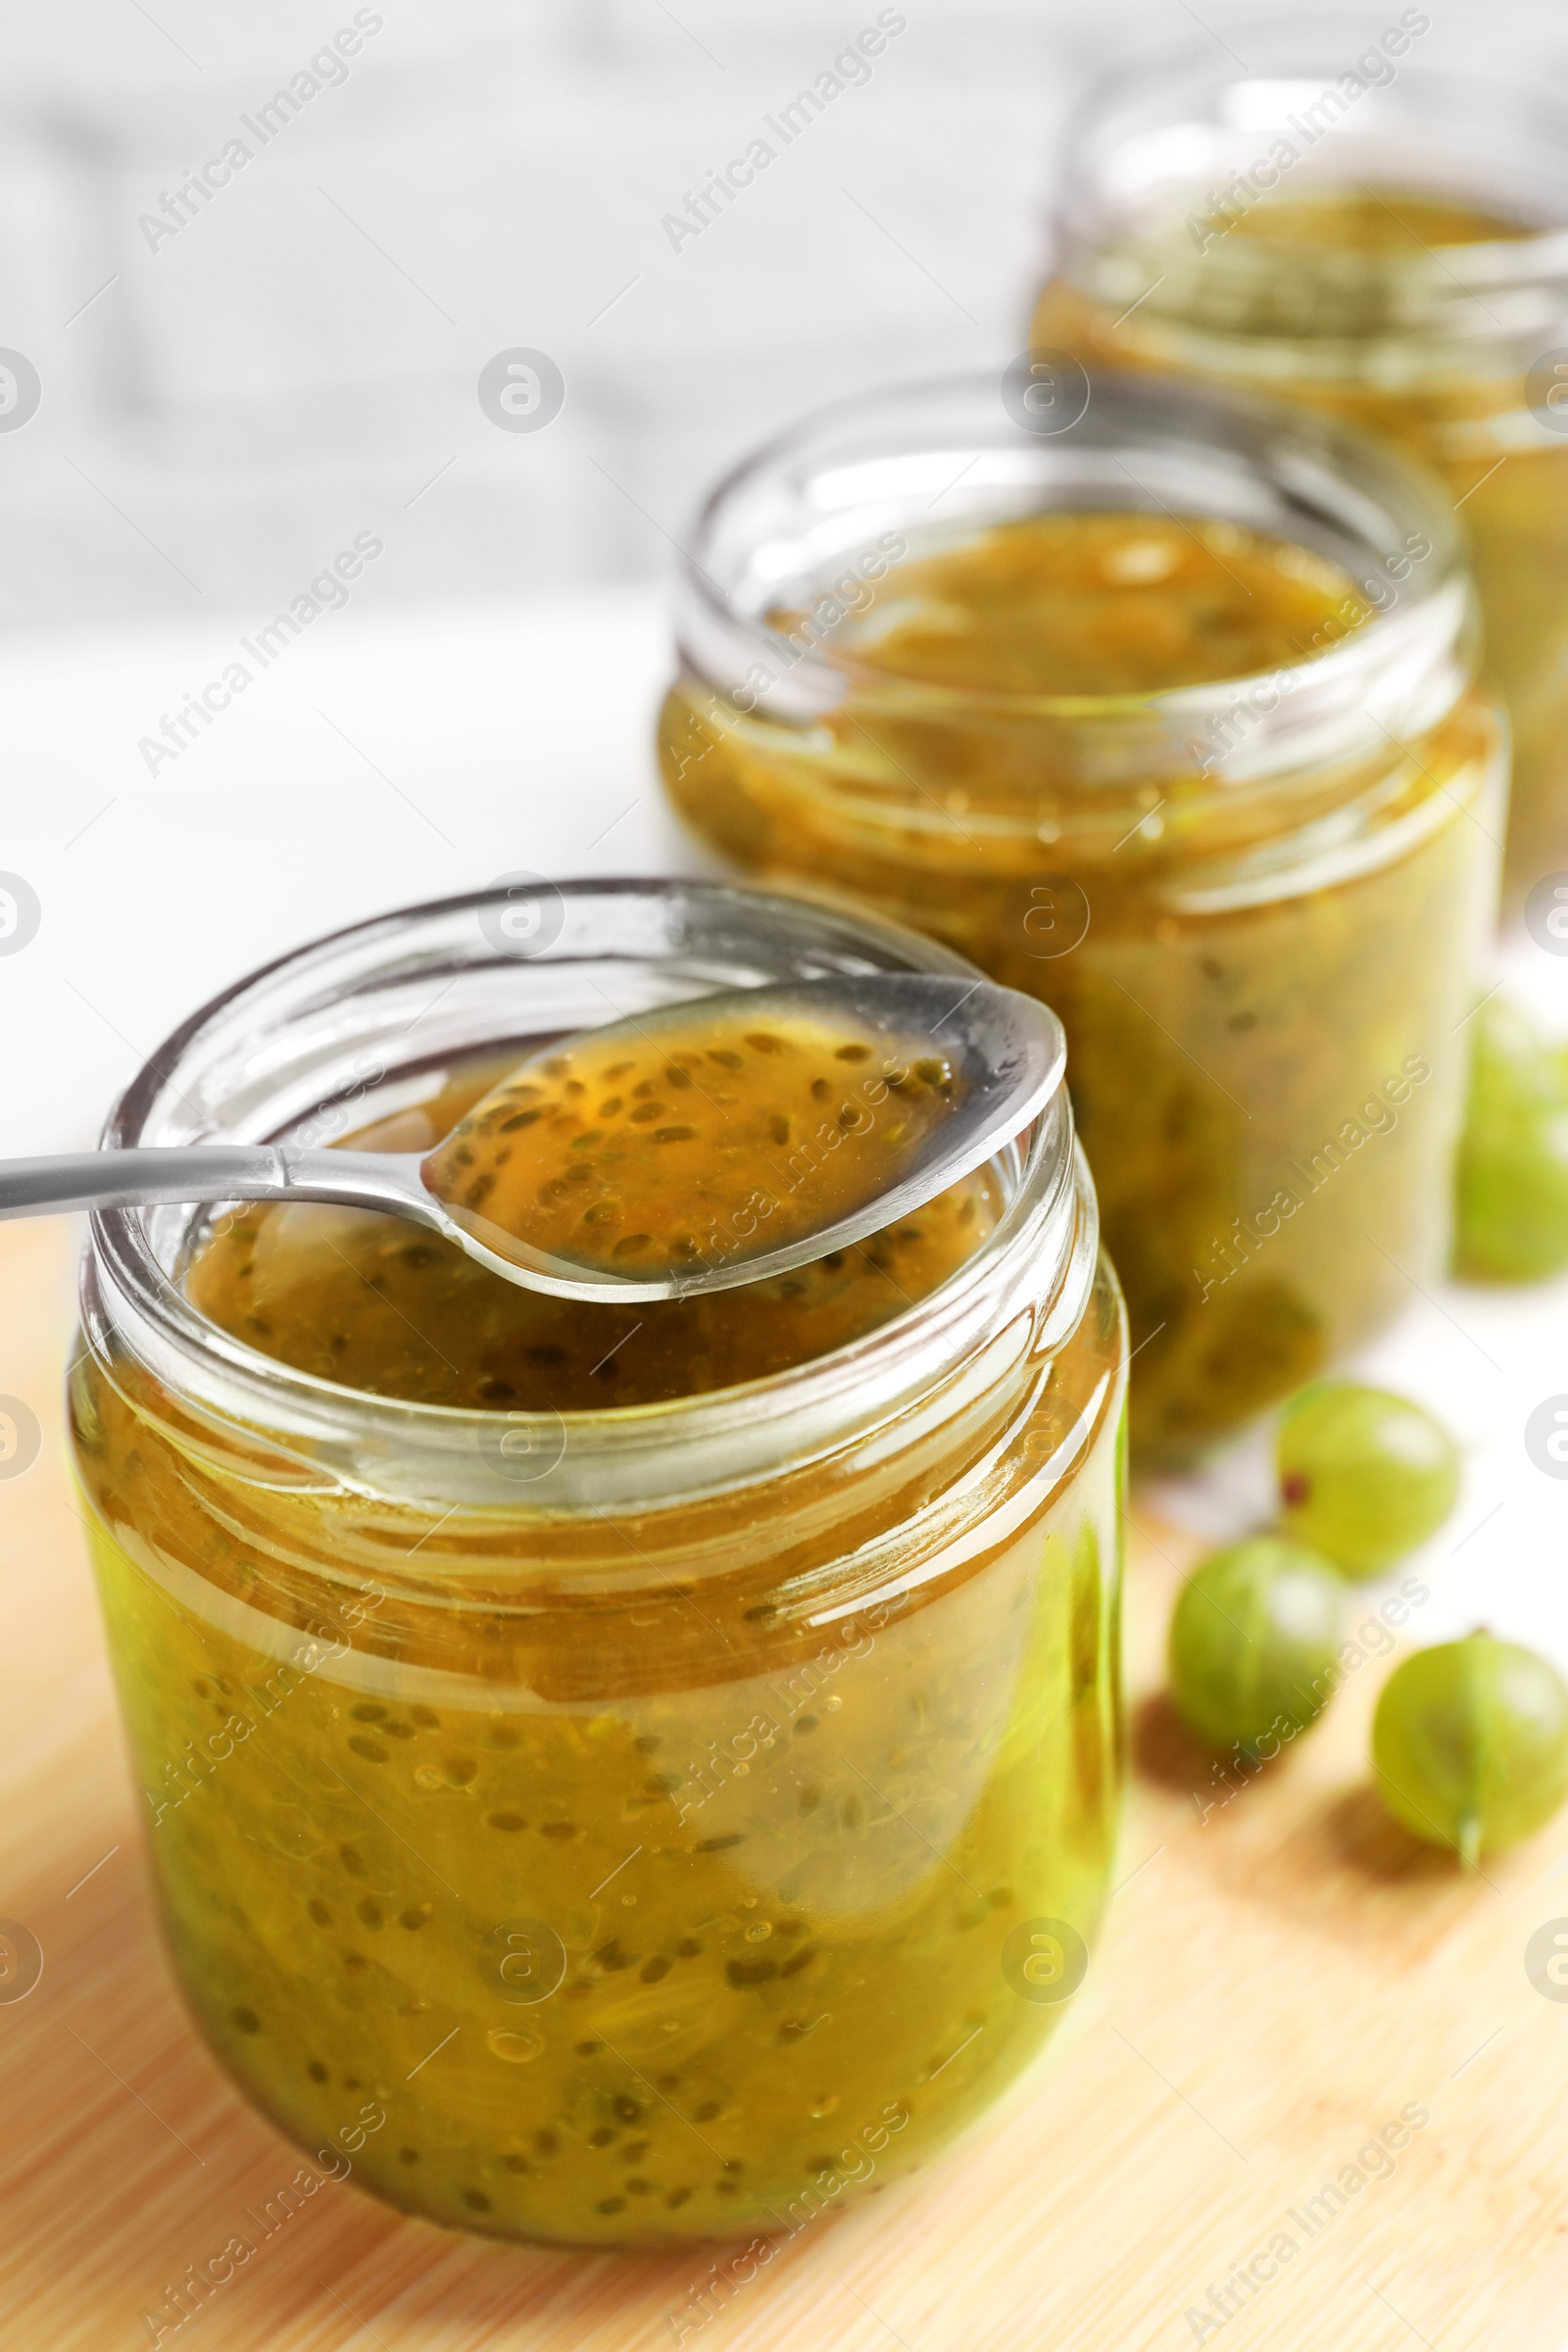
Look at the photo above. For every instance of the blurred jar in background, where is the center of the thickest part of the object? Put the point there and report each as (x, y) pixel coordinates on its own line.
(1157, 706)
(1378, 225)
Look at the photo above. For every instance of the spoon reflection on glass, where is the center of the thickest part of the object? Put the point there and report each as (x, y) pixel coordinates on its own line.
(707, 1144)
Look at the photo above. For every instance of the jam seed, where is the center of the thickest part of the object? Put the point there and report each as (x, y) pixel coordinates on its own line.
(745, 1975)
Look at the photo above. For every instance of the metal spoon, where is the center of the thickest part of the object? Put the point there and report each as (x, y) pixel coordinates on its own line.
(1005, 1050)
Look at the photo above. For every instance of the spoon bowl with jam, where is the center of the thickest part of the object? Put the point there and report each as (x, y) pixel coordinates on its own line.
(709, 1143)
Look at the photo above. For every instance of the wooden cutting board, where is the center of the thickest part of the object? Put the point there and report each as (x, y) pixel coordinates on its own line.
(1275, 1983)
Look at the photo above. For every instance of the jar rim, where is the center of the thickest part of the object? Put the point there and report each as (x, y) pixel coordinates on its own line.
(1517, 132)
(226, 1071)
(790, 504)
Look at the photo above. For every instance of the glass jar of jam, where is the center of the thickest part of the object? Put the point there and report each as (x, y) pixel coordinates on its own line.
(1377, 226)
(612, 1775)
(1160, 707)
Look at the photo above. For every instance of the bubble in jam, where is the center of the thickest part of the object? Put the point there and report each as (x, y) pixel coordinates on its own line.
(687, 1138)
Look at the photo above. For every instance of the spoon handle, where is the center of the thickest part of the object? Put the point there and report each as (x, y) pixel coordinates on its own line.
(37, 1188)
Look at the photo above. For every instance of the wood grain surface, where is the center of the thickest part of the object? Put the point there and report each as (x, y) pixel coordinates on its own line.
(1274, 1985)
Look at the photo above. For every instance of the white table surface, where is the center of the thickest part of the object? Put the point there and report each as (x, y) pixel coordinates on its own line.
(396, 756)
(385, 757)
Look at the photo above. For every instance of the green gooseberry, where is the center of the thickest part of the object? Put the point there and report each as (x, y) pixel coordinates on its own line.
(1512, 1223)
(1255, 1642)
(1365, 1476)
(1470, 1743)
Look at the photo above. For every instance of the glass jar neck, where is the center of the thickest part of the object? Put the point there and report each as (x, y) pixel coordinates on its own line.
(1488, 310)
(1172, 170)
(805, 525)
(325, 1024)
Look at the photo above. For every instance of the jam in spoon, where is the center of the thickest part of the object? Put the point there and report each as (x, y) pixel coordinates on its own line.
(705, 1144)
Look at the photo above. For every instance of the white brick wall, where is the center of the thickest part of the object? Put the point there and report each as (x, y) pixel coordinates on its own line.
(239, 402)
